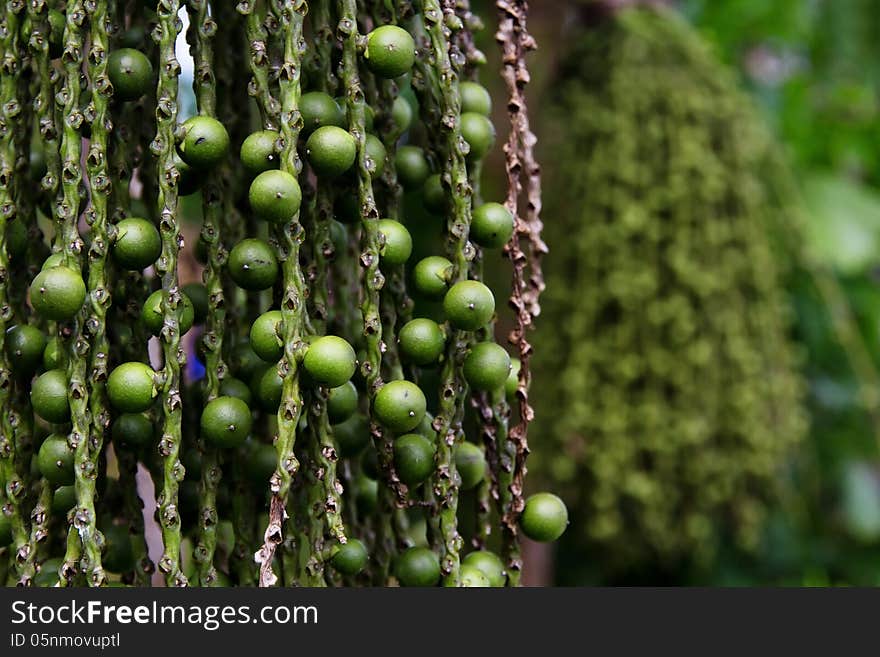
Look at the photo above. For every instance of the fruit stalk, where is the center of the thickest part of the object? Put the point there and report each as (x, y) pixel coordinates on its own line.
(162, 148)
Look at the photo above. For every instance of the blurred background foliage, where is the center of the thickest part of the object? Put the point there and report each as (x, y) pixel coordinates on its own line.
(812, 68)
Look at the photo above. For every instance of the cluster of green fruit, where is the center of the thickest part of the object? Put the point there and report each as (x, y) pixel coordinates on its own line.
(321, 414)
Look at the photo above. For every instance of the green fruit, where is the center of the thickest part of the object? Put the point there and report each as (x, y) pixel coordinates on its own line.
(412, 166)
(58, 293)
(351, 557)
(369, 118)
(401, 114)
(319, 109)
(352, 436)
(330, 361)
(275, 196)
(544, 517)
(397, 245)
(413, 458)
(198, 295)
(489, 564)
(55, 355)
(261, 461)
(63, 499)
(366, 497)
(205, 143)
(245, 362)
(133, 429)
(479, 133)
(376, 154)
(5, 530)
(491, 226)
(487, 367)
(417, 566)
(421, 341)
(259, 151)
(118, 554)
(232, 387)
(468, 305)
(471, 465)
(430, 277)
(133, 37)
(399, 406)
(24, 346)
(390, 51)
(130, 72)
(472, 577)
(153, 316)
(265, 336)
(226, 422)
(252, 264)
(48, 574)
(49, 396)
(475, 98)
(267, 387)
(137, 245)
(434, 194)
(131, 387)
(331, 151)
(56, 460)
(512, 382)
(342, 402)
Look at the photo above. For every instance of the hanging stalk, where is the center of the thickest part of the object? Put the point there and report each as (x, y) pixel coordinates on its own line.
(15, 483)
(258, 87)
(163, 148)
(202, 30)
(291, 14)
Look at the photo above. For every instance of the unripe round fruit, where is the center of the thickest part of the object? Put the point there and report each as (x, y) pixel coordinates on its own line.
(131, 387)
(275, 196)
(58, 293)
(398, 242)
(351, 557)
(63, 499)
(133, 429)
(265, 336)
(471, 465)
(153, 316)
(512, 382)
(56, 460)
(206, 142)
(430, 277)
(412, 166)
(331, 151)
(245, 362)
(198, 295)
(319, 109)
(55, 355)
(258, 151)
(367, 496)
(130, 73)
(491, 226)
(49, 396)
(479, 133)
(487, 367)
(352, 435)
(24, 346)
(137, 245)
(417, 566)
(544, 517)
(390, 51)
(330, 361)
(468, 305)
(400, 406)
(342, 402)
(472, 577)
(475, 98)
(401, 114)
(232, 387)
(226, 422)
(413, 458)
(267, 388)
(252, 264)
(489, 564)
(118, 555)
(434, 194)
(421, 341)
(262, 459)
